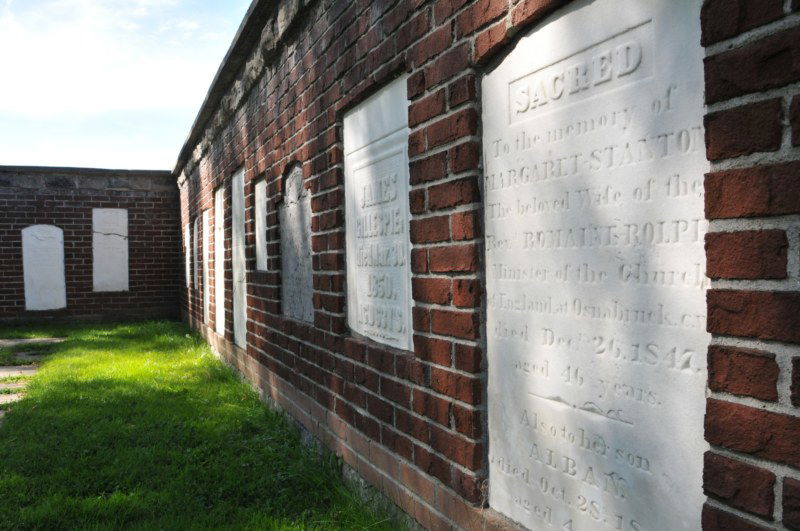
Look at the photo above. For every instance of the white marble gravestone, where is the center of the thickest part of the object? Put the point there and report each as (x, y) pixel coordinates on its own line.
(196, 251)
(297, 275)
(239, 262)
(187, 247)
(206, 285)
(594, 160)
(377, 221)
(219, 261)
(110, 249)
(261, 225)
(43, 268)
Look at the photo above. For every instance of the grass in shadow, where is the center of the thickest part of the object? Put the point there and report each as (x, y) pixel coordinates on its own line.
(139, 426)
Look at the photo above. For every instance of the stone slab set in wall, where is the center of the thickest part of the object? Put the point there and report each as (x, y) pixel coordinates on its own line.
(43, 263)
(594, 160)
(110, 249)
(377, 230)
(297, 285)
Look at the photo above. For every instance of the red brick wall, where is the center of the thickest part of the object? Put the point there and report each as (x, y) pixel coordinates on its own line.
(414, 423)
(753, 200)
(65, 197)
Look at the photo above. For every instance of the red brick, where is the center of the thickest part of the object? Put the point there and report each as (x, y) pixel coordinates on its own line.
(749, 254)
(453, 193)
(456, 385)
(770, 190)
(794, 120)
(462, 90)
(791, 503)
(430, 230)
(466, 453)
(714, 519)
(743, 372)
(431, 290)
(479, 14)
(464, 157)
(447, 65)
(755, 432)
(468, 358)
(795, 385)
(723, 19)
(744, 130)
(432, 45)
(444, 9)
(466, 293)
(530, 11)
(454, 259)
(434, 350)
(467, 421)
(433, 407)
(456, 324)
(459, 125)
(762, 314)
(429, 169)
(465, 225)
(426, 108)
(490, 41)
(738, 484)
(765, 64)
(432, 464)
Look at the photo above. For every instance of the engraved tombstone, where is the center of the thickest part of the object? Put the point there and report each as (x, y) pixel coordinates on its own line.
(377, 221)
(206, 286)
(594, 161)
(43, 268)
(238, 262)
(110, 249)
(219, 260)
(297, 281)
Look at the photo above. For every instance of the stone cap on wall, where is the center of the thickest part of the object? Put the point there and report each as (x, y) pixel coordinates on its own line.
(48, 177)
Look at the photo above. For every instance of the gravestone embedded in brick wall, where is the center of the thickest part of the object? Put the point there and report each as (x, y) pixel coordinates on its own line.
(110, 249)
(238, 260)
(219, 260)
(297, 280)
(377, 233)
(594, 161)
(43, 268)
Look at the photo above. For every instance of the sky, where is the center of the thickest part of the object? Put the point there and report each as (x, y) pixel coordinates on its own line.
(107, 83)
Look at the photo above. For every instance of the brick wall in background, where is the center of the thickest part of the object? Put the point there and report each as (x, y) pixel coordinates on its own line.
(752, 70)
(414, 423)
(65, 197)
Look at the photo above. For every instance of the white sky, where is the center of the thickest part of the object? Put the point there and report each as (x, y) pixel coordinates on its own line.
(107, 83)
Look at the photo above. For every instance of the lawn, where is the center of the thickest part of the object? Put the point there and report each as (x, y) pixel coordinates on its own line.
(139, 426)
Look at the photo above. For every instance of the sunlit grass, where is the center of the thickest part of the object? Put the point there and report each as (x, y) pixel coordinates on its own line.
(140, 426)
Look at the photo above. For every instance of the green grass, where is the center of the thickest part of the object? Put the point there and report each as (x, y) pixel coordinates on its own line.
(139, 426)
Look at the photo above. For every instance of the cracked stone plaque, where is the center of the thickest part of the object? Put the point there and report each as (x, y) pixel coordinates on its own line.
(43, 268)
(110, 249)
(594, 157)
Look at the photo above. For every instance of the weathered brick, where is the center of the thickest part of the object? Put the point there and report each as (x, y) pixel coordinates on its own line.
(714, 519)
(769, 190)
(762, 314)
(454, 324)
(479, 14)
(738, 484)
(743, 372)
(746, 254)
(723, 19)
(744, 130)
(791, 503)
(431, 290)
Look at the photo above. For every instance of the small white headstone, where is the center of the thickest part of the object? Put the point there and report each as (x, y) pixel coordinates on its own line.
(206, 284)
(110, 249)
(297, 280)
(187, 253)
(377, 221)
(219, 261)
(239, 263)
(261, 225)
(594, 158)
(43, 268)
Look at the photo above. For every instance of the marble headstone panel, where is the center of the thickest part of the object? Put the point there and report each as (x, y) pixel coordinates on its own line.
(379, 297)
(206, 285)
(187, 250)
(110, 249)
(261, 225)
(219, 260)
(238, 261)
(594, 159)
(43, 268)
(297, 275)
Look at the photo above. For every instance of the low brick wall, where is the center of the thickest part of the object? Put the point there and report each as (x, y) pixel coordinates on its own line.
(65, 197)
